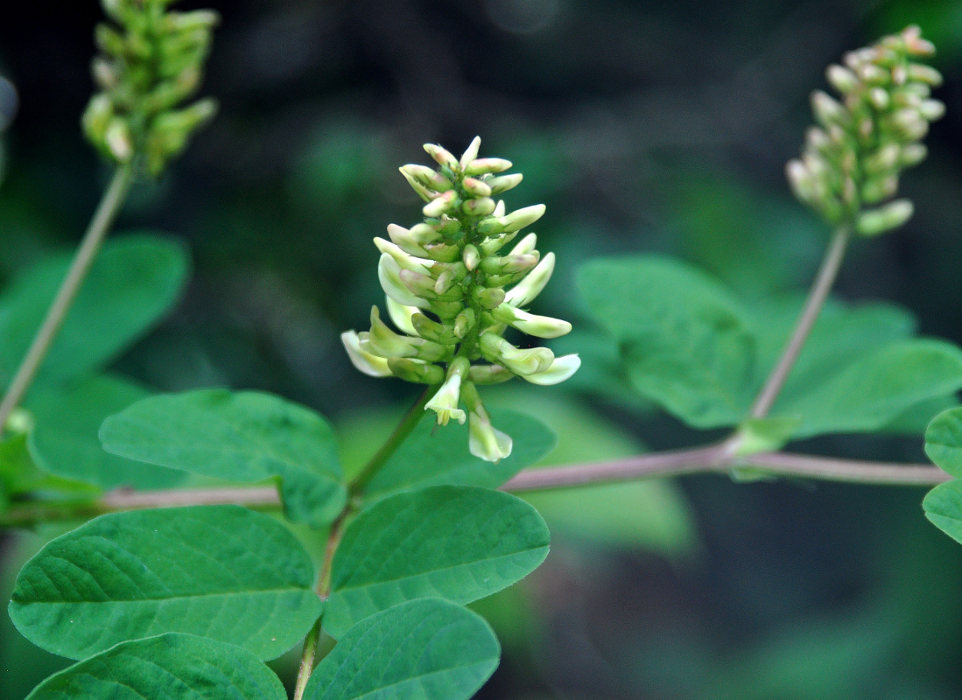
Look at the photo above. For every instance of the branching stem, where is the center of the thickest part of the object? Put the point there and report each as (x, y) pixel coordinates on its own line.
(699, 460)
(97, 230)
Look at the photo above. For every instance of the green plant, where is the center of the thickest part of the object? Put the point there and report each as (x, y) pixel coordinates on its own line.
(162, 601)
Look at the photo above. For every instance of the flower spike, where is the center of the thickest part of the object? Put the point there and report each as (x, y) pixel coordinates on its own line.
(453, 289)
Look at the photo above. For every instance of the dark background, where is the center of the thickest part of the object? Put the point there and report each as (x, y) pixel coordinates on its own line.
(645, 127)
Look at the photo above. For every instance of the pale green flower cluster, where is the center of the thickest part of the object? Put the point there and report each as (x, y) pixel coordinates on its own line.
(853, 158)
(453, 291)
(148, 66)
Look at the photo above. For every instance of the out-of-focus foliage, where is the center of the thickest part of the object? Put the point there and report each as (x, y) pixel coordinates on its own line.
(644, 128)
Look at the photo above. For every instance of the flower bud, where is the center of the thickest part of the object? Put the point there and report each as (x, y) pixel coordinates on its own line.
(520, 218)
(464, 322)
(442, 156)
(478, 207)
(539, 326)
(885, 218)
(488, 298)
(470, 153)
(415, 371)
(441, 204)
(471, 257)
(483, 166)
(531, 286)
(503, 183)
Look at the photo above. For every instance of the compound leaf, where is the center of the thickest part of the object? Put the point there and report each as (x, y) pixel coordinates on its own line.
(458, 543)
(222, 572)
(426, 649)
(166, 666)
(238, 436)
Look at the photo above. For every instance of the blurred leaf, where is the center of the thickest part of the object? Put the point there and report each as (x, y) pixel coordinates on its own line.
(431, 456)
(222, 572)
(943, 506)
(457, 543)
(684, 339)
(943, 441)
(871, 391)
(241, 436)
(169, 665)
(64, 440)
(133, 282)
(687, 345)
(428, 649)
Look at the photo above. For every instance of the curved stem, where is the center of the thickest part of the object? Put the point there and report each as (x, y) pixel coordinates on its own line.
(813, 305)
(97, 230)
(356, 487)
(313, 638)
(403, 429)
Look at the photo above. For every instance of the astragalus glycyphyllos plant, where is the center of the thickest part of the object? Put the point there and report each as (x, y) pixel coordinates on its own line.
(156, 601)
(452, 294)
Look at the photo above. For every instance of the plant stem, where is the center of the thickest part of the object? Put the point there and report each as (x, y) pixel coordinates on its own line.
(403, 429)
(716, 459)
(97, 230)
(813, 305)
(699, 460)
(356, 487)
(306, 666)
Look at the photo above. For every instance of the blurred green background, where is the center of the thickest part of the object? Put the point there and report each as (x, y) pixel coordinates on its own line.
(645, 127)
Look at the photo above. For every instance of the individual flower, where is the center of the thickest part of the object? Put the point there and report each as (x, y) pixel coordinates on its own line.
(454, 288)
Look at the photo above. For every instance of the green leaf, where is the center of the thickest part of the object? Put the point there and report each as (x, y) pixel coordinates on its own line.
(874, 389)
(459, 543)
(242, 436)
(222, 572)
(132, 283)
(64, 440)
(943, 441)
(943, 506)
(427, 649)
(688, 346)
(432, 456)
(167, 666)
(685, 341)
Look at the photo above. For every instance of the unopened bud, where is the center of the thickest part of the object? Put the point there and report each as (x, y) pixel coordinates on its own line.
(483, 166)
(520, 218)
(841, 78)
(488, 298)
(531, 286)
(885, 218)
(476, 188)
(415, 371)
(503, 183)
(441, 204)
(478, 207)
(470, 153)
(464, 322)
(471, 257)
(442, 156)
(828, 110)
